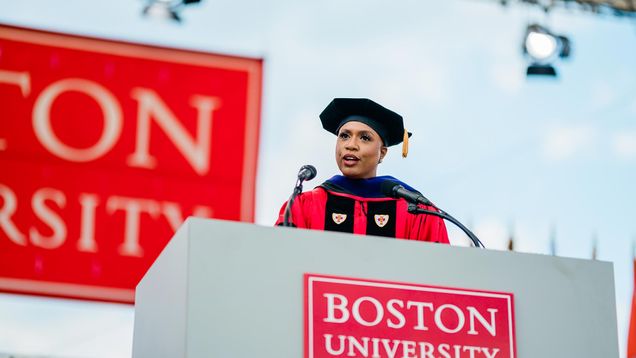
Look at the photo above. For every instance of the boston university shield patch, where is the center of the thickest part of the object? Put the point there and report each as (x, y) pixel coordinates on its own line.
(338, 218)
(381, 220)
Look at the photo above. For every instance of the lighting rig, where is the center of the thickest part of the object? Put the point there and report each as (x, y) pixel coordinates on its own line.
(618, 8)
(166, 9)
(543, 48)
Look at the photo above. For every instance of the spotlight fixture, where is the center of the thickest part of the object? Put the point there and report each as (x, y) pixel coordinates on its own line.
(542, 47)
(165, 9)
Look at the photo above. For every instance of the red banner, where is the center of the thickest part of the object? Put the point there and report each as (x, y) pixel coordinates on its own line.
(347, 317)
(106, 147)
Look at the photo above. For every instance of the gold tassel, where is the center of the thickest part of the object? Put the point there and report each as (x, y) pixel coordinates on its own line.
(405, 144)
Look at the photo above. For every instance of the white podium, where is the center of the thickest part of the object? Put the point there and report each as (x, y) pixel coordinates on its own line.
(227, 289)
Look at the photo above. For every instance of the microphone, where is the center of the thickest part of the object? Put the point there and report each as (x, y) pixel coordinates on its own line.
(395, 190)
(307, 172)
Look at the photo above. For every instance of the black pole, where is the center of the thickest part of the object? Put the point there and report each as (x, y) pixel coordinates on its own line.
(297, 190)
(414, 209)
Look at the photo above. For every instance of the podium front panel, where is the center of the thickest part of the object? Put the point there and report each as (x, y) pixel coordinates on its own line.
(242, 294)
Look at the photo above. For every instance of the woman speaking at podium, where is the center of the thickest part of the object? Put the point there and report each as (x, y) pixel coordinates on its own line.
(354, 201)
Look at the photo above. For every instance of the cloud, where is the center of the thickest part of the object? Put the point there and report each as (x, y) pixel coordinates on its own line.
(603, 94)
(624, 144)
(566, 142)
(508, 77)
(456, 236)
(34, 325)
(493, 233)
(409, 69)
(303, 142)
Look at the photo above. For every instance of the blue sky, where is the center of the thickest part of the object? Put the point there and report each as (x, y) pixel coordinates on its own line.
(496, 150)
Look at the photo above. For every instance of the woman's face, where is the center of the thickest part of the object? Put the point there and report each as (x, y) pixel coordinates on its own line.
(359, 149)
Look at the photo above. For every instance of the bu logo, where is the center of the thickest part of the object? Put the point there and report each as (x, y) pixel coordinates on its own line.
(381, 220)
(338, 218)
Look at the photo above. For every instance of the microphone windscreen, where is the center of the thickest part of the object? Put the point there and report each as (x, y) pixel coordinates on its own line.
(311, 171)
(388, 188)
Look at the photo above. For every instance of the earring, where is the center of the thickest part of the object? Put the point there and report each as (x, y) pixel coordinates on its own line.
(380, 161)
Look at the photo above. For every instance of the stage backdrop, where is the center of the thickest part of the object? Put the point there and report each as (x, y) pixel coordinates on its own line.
(105, 148)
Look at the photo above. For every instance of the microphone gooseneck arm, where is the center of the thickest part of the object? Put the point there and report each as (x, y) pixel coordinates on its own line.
(298, 188)
(395, 190)
(414, 209)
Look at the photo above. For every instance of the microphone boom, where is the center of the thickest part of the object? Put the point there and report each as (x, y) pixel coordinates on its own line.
(395, 190)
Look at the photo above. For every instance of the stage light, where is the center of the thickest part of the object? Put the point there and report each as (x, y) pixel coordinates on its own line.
(565, 47)
(540, 70)
(543, 47)
(540, 46)
(165, 9)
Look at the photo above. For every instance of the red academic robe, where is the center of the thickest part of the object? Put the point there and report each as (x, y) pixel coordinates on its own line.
(321, 209)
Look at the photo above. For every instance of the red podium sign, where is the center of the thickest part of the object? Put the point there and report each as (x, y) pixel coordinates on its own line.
(347, 317)
(105, 148)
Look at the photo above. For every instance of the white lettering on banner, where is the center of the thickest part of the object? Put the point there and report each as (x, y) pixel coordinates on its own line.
(379, 311)
(133, 208)
(361, 347)
(86, 242)
(89, 203)
(329, 345)
(20, 79)
(390, 306)
(172, 212)
(460, 318)
(390, 346)
(408, 347)
(348, 317)
(338, 312)
(490, 327)
(10, 204)
(194, 148)
(490, 354)
(332, 306)
(420, 313)
(375, 347)
(427, 349)
(201, 211)
(444, 350)
(106, 101)
(196, 151)
(49, 217)
(471, 350)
